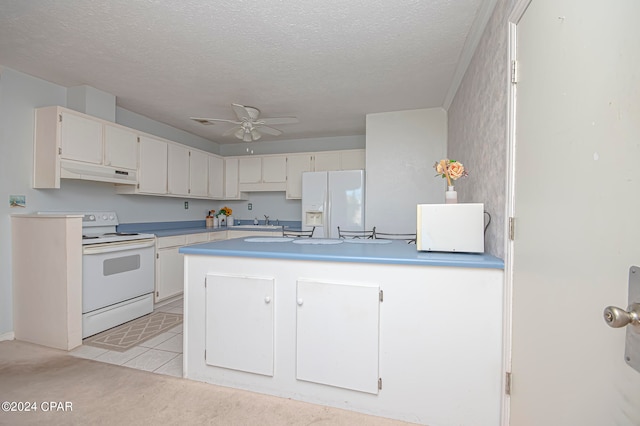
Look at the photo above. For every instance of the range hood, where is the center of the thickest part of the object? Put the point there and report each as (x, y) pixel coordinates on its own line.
(96, 172)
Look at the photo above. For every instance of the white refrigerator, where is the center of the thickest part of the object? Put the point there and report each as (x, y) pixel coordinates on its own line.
(332, 199)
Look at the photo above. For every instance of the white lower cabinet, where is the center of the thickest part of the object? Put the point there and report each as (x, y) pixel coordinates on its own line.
(169, 267)
(240, 323)
(337, 333)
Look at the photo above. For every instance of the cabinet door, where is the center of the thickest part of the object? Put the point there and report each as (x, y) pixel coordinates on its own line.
(296, 165)
(352, 160)
(239, 323)
(231, 188)
(274, 169)
(153, 166)
(215, 188)
(120, 148)
(337, 334)
(81, 139)
(250, 170)
(178, 170)
(198, 173)
(326, 161)
(169, 273)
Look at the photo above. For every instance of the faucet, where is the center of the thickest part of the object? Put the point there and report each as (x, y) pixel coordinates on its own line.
(266, 219)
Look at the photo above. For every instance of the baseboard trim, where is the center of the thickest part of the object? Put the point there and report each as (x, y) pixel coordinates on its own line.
(7, 336)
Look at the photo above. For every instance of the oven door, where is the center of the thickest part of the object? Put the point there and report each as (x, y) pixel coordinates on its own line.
(115, 272)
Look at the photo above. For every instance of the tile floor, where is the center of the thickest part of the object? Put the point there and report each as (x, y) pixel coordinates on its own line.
(161, 354)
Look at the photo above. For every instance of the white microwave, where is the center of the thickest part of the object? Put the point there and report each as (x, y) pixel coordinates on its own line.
(451, 227)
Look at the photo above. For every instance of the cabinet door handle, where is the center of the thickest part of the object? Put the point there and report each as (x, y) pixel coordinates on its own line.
(267, 299)
(300, 302)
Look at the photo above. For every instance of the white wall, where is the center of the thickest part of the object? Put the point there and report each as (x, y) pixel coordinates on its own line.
(478, 126)
(402, 147)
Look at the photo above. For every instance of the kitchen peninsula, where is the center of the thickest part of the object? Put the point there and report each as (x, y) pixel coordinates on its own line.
(367, 325)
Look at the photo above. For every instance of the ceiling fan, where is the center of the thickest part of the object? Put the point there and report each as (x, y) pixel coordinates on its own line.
(249, 126)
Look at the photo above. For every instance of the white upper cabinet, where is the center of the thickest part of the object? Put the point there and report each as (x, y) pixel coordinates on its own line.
(296, 165)
(250, 170)
(231, 183)
(215, 187)
(198, 173)
(274, 169)
(263, 173)
(120, 147)
(81, 138)
(326, 161)
(152, 178)
(178, 170)
(352, 159)
(73, 145)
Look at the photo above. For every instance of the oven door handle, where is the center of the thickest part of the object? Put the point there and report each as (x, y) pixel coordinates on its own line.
(113, 247)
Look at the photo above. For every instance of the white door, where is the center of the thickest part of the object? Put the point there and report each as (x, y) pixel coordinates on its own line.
(576, 207)
(216, 177)
(81, 139)
(178, 170)
(274, 169)
(198, 173)
(120, 147)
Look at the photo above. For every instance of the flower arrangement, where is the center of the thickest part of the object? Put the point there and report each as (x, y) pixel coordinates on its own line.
(225, 211)
(450, 169)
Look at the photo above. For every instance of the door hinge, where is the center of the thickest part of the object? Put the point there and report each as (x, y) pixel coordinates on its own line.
(512, 228)
(60, 118)
(381, 296)
(157, 255)
(157, 294)
(205, 354)
(138, 139)
(59, 150)
(205, 282)
(507, 383)
(380, 383)
(514, 71)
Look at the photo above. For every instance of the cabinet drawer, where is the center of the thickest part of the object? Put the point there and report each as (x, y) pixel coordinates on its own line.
(197, 238)
(176, 240)
(217, 236)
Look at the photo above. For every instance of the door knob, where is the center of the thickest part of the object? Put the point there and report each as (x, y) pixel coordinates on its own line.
(617, 317)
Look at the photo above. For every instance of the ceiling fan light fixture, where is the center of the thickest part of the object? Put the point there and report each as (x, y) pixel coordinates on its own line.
(247, 137)
(255, 135)
(239, 133)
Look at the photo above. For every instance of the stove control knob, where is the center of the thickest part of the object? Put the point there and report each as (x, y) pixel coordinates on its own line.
(104, 217)
(111, 217)
(92, 217)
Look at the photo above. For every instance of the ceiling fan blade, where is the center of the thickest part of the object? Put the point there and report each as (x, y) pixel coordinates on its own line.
(213, 120)
(269, 130)
(279, 120)
(232, 130)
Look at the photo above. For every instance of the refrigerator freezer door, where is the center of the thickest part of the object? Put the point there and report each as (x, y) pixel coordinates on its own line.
(346, 201)
(314, 200)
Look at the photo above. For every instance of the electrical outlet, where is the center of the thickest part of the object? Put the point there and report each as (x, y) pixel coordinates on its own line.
(186, 205)
(250, 206)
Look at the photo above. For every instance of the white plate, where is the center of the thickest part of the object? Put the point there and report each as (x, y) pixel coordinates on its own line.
(268, 240)
(367, 241)
(316, 241)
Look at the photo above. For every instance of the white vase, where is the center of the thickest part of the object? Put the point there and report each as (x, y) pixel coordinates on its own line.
(451, 196)
(223, 220)
(230, 221)
(216, 222)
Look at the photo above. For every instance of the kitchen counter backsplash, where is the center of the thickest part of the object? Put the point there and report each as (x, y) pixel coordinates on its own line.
(191, 226)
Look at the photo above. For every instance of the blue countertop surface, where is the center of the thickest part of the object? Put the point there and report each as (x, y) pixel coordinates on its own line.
(373, 251)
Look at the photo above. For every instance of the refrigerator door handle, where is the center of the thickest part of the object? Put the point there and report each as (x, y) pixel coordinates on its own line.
(327, 212)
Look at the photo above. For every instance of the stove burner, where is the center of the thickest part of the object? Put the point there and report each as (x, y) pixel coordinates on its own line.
(122, 233)
(89, 237)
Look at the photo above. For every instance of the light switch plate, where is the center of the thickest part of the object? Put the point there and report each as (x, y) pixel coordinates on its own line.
(632, 346)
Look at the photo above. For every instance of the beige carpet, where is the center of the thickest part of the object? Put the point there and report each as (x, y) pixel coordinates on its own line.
(105, 394)
(134, 332)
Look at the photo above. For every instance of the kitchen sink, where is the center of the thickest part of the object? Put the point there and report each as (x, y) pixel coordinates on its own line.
(255, 227)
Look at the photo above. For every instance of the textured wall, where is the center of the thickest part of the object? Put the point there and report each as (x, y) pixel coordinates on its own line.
(478, 126)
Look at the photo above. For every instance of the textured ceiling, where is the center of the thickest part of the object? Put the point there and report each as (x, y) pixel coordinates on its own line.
(328, 62)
